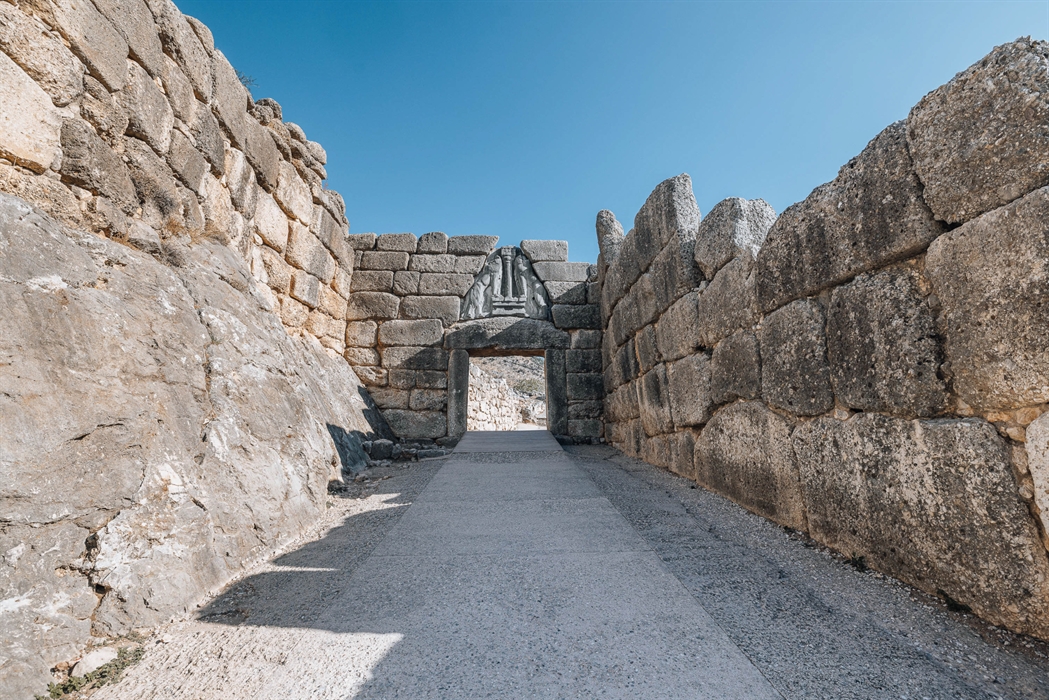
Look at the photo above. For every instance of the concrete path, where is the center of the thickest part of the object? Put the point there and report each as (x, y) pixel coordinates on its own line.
(515, 569)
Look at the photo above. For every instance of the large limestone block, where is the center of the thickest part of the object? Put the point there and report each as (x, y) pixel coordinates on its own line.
(566, 292)
(469, 264)
(635, 311)
(432, 262)
(30, 126)
(1037, 446)
(647, 350)
(102, 110)
(413, 357)
(179, 92)
(364, 305)
(688, 382)
(90, 35)
(586, 339)
(444, 308)
(609, 236)
(270, 222)
(417, 424)
(406, 242)
(184, 45)
(210, 143)
(621, 274)
(406, 282)
(795, 375)
(306, 288)
(41, 55)
(653, 399)
(545, 251)
(472, 245)
(506, 333)
(745, 453)
(585, 387)
(156, 188)
(293, 195)
(734, 226)
(980, 141)
(576, 316)
(585, 427)
(882, 347)
(361, 241)
(421, 332)
(188, 164)
(89, 163)
(624, 366)
(306, 252)
(934, 503)
(583, 361)
(229, 100)
(54, 198)
(870, 215)
(428, 400)
(135, 23)
(361, 334)
(673, 272)
(669, 212)
(676, 330)
(262, 154)
(735, 368)
(562, 271)
(372, 281)
(433, 242)
(145, 404)
(729, 302)
(333, 236)
(149, 115)
(622, 404)
(383, 260)
(990, 277)
(444, 283)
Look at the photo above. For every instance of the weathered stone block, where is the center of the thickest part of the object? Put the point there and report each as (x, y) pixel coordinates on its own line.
(673, 273)
(293, 314)
(361, 241)
(444, 308)
(980, 141)
(92, 38)
(609, 236)
(383, 260)
(989, 276)
(433, 263)
(588, 428)
(432, 379)
(306, 288)
(583, 361)
(134, 21)
(317, 324)
(361, 334)
(341, 282)
(179, 92)
(688, 385)
(882, 346)
(262, 154)
(403, 357)
(270, 222)
(647, 349)
(406, 282)
(669, 212)
(362, 357)
(545, 251)
(934, 503)
(30, 127)
(417, 424)
(405, 242)
(472, 245)
(1037, 448)
(653, 400)
(372, 281)
(89, 163)
(795, 375)
(458, 392)
(676, 330)
(871, 215)
(155, 186)
(728, 303)
(149, 115)
(625, 367)
(229, 100)
(182, 43)
(735, 368)
(444, 283)
(566, 292)
(422, 332)
(428, 399)
(585, 387)
(635, 311)
(333, 305)
(41, 55)
(556, 391)
(278, 272)
(433, 242)
(187, 163)
(506, 333)
(734, 227)
(745, 453)
(469, 264)
(584, 410)
(389, 397)
(370, 376)
(561, 271)
(307, 253)
(293, 195)
(622, 404)
(206, 131)
(586, 339)
(333, 236)
(569, 316)
(362, 305)
(622, 273)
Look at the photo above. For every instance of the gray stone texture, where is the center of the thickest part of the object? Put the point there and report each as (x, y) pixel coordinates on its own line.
(417, 424)
(647, 350)
(688, 382)
(561, 271)
(458, 391)
(361, 241)
(406, 282)
(432, 262)
(1037, 452)
(306, 252)
(372, 281)
(882, 346)
(469, 264)
(676, 330)
(413, 357)
(585, 428)
(439, 283)
(745, 453)
(870, 215)
(306, 288)
(41, 55)
(980, 141)
(609, 236)
(506, 333)
(989, 276)
(421, 332)
(472, 245)
(735, 368)
(576, 316)
(433, 242)
(205, 129)
(556, 391)
(583, 361)
(100, 109)
(89, 163)
(586, 339)
(91, 37)
(567, 292)
(795, 375)
(155, 186)
(363, 305)
(383, 260)
(653, 398)
(189, 165)
(729, 302)
(669, 213)
(361, 334)
(444, 308)
(229, 101)
(733, 227)
(624, 366)
(545, 251)
(182, 44)
(406, 242)
(933, 502)
(585, 387)
(673, 273)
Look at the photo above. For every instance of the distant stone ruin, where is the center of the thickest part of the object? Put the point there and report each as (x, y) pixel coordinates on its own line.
(194, 346)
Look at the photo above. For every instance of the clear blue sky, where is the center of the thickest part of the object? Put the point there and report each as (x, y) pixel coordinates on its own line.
(523, 119)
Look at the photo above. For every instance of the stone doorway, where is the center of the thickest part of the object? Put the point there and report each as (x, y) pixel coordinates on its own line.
(506, 393)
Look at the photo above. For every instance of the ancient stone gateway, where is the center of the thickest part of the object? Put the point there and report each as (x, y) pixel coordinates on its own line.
(420, 307)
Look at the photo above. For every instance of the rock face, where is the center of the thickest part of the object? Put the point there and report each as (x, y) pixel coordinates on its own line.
(732, 227)
(980, 141)
(190, 417)
(795, 375)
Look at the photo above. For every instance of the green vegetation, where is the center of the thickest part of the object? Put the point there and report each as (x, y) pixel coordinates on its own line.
(103, 675)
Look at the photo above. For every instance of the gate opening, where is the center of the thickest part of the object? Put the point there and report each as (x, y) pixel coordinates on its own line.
(506, 393)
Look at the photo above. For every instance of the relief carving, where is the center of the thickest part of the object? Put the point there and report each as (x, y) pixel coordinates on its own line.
(506, 286)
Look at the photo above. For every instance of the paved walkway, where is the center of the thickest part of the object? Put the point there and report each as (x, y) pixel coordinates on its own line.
(515, 569)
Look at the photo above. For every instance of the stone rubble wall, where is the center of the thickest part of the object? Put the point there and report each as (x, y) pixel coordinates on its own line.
(870, 367)
(407, 293)
(493, 404)
(174, 277)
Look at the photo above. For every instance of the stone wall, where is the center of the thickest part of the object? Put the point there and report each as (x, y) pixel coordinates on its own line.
(870, 367)
(493, 404)
(404, 322)
(174, 276)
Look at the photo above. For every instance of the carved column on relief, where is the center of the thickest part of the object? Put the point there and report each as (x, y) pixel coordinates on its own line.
(507, 286)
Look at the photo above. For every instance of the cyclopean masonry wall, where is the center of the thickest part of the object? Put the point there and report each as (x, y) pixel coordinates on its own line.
(871, 367)
(413, 322)
(174, 276)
